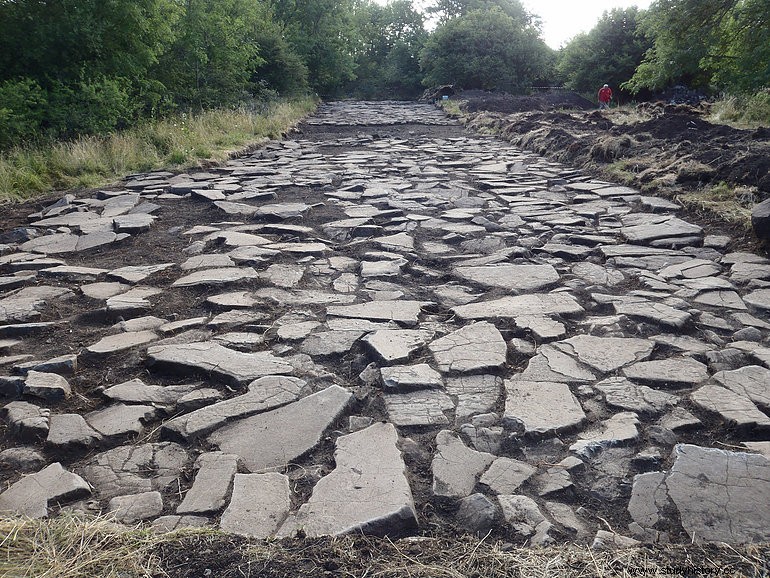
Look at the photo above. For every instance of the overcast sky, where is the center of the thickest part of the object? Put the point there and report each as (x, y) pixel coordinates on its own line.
(563, 19)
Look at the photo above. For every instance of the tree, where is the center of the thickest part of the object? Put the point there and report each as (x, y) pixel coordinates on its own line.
(609, 53)
(448, 9)
(722, 44)
(214, 53)
(388, 42)
(484, 49)
(321, 33)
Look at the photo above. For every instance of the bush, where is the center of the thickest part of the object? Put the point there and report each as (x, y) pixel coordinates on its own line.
(22, 109)
(97, 106)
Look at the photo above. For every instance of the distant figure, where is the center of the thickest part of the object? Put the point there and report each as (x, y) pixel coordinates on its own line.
(605, 96)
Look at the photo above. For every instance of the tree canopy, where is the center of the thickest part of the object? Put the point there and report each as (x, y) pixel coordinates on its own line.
(71, 67)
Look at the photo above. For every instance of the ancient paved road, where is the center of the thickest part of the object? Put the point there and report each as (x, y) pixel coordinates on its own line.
(382, 327)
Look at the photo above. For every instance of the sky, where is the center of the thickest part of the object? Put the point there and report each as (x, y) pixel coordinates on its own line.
(563, 19)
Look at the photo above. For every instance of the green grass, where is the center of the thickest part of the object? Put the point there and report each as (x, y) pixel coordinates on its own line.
(174, 143)
(743, 111)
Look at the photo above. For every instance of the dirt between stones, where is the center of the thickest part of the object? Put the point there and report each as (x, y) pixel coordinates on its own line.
(666, 149)
(163, 243)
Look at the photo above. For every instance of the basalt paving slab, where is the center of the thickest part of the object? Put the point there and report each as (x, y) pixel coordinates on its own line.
(513, 304)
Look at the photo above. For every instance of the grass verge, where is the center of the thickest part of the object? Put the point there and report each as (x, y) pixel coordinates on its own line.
(178, 142)
(77, 547)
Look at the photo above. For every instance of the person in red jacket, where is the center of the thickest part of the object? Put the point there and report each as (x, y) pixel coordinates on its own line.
(605, 96)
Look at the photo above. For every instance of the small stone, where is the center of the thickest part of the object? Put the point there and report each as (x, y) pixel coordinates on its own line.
(212, 484)
(540, 408)
(476, 514)
(455, 467)
(69, 431)
(475, 347)
(505, 475)
(136, 507)
(408, 377)
(47, 386)
(32, 495)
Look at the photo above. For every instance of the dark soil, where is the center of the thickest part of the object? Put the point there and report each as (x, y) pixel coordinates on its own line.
(659, 148)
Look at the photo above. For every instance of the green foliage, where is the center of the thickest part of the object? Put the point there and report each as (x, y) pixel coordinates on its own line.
(609, 53)
(722, 44)
(22, 110)
(448, 9)
(484, 49)
(388, 42)
(213, 55)
(321, 33)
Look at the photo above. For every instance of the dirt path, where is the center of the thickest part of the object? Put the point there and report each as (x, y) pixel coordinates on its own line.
(391, 325)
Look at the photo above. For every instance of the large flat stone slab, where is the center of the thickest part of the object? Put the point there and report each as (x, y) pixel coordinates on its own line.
(456, 467)
(518, 278)
(409, 377)
(751, 381)
(671, 372)
(644, 228)
(210, 357)
(264, 442)
(367, 492)
(476, 347)
(619, 392)
(475, 394)
(541, 407)
(220, 276)
(393, 345)
(719, 495)
(533, 305)
(401, 311)
(606, 354)
(418, 408)
(264, 394)
(32, 495)
(734, 408)
(212, 484)
(259, 505)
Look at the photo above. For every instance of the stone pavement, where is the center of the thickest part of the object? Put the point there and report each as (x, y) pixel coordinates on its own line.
(384, 325)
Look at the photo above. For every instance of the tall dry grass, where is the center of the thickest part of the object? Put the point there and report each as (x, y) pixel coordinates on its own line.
(182, 141)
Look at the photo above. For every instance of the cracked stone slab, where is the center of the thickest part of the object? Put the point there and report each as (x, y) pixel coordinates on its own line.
(606, 354)
(517, 278)
(396, 344)
(134, 508)
(533, 305)
(264, 443)
(475, 347)
(330, 342)
(551, 364)
(624, 394)
(541, 407)
(33, 494)
(48, 386)
(69, 431)
(220, 276)
(476, 394)
(213, 480)
(644, 228)
(409, 377)
(759, 299)
(259, 505)
(718, 495)
(27, 422)
(401, 311)
(134, 469)
(367, 492)
(28, 303)
(651, 311)
(620, 429)
(138, 392)
(671, 372)
(264, 394)
(136, 273)
(121, 420)
(229, 365)
(506, 475)
(734, 408)
(122, 341)
(418, 408)
(456, 467)
(525, 518)
(751, 381)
